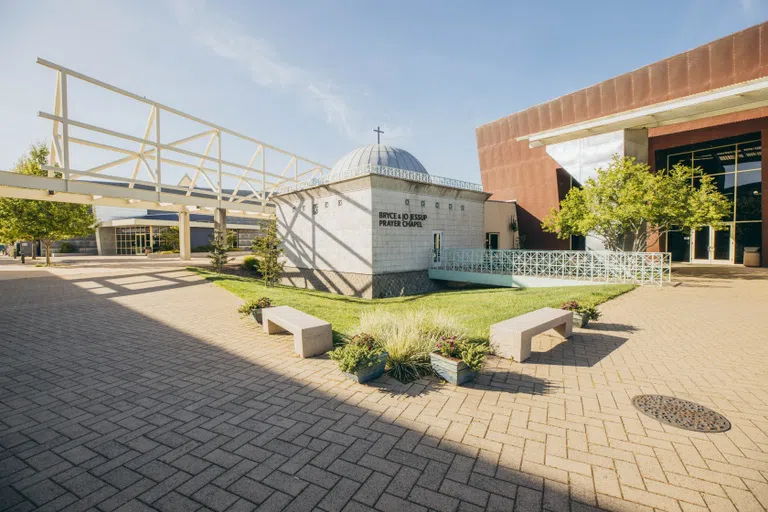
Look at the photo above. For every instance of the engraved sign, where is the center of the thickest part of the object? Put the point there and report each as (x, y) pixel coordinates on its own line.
(401, 220)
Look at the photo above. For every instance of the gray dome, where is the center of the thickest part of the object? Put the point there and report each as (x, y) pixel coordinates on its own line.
(379, 154)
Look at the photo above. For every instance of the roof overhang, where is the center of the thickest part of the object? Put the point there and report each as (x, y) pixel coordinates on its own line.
(139, 221)
(734, 98)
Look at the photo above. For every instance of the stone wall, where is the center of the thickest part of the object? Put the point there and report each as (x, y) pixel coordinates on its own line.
(334, 240)
(343, 283)
(328, 227)
(366, 286)
(405, 243)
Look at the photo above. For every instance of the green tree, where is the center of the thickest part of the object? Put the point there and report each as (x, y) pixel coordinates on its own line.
(169, 239)
(268, 249)
(47, 221)
(218, 252)
(628, 205)
(232, 239)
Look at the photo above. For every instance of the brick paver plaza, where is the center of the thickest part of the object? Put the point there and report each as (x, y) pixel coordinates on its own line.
(138, 387)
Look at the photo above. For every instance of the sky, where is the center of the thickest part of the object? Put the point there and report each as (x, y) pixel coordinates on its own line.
(316, 77)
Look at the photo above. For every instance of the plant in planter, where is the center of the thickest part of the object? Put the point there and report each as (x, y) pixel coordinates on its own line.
(581, 314)
(359, 359)
(254, 307)
(456, 360)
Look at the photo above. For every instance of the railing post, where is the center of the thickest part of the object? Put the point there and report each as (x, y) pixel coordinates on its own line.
(65, 128)
(218, 134)
(158, 153)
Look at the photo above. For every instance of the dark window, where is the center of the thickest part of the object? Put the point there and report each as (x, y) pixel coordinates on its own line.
(748, 234)
(716, 161)
(750, 156)
(749, 196)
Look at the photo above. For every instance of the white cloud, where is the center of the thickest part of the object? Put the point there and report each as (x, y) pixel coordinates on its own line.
(231, 41)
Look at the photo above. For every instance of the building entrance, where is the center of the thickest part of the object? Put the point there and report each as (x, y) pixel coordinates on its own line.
(713, 246)
(735, 165)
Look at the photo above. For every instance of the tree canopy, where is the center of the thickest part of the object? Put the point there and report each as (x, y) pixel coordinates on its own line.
(628, 205)
(47, 221)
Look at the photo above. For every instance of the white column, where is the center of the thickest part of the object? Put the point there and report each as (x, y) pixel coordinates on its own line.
(185, 237)
(220, 223)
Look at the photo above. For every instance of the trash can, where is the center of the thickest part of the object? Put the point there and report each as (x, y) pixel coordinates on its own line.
(751, 256)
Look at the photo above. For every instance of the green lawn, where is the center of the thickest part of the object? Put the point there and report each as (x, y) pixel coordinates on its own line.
(478, 308)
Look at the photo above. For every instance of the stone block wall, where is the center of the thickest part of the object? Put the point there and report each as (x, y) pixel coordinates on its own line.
(328, 228)
(406, 243)
(334, 240)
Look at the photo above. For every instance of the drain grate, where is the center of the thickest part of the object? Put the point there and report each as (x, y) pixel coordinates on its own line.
(681, 413)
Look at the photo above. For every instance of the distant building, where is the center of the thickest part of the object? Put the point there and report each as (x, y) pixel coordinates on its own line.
(128, 231)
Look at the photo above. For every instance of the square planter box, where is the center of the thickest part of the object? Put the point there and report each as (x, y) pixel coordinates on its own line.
(452, 370)
(370, 373)
(256, 314)
(580, 320)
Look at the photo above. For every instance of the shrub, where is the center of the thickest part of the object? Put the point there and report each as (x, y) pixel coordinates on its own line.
(473, 354)
(250, 263)
(67, 248)
(167, 252)
(589, 312)
(408, 337)
(268, 246)
(218, 252)
(251, 305)
(354, 357)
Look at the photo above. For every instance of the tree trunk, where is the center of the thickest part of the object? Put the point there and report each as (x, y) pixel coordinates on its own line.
(34, 252)
(47, 253)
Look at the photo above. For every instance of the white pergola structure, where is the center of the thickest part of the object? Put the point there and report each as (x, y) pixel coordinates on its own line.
(183, 173)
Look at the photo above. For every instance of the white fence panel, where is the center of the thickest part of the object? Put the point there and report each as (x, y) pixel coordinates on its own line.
(604, 266)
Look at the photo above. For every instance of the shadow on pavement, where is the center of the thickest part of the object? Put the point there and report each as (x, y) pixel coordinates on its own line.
(103, 405)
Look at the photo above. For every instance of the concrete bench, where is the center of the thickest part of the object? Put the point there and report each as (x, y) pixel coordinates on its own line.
(311, 336)
(512, 338)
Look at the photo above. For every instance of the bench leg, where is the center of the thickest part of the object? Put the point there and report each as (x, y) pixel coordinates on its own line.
(313, 342)
(510, 345)
(521, 347)
(271, 327)
(566, 329)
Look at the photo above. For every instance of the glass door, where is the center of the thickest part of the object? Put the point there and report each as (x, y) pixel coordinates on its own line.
(712, 246)
(141, 243)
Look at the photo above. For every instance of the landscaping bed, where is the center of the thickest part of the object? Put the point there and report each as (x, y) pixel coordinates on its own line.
(476, 309)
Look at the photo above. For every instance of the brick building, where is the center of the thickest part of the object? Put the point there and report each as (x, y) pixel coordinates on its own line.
(707, 107)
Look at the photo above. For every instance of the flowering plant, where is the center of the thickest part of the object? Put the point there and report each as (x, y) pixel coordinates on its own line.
(449, 346)
(363, 339)
(588, 312)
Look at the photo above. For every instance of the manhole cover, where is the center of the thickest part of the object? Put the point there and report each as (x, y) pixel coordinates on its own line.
(681, 413)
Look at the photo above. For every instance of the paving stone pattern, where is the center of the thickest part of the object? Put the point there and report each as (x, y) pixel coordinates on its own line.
(138, 387)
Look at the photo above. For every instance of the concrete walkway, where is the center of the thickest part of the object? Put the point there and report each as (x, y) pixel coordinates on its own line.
(138, 387)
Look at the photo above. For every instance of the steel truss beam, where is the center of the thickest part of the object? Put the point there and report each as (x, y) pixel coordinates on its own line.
(153, 154)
